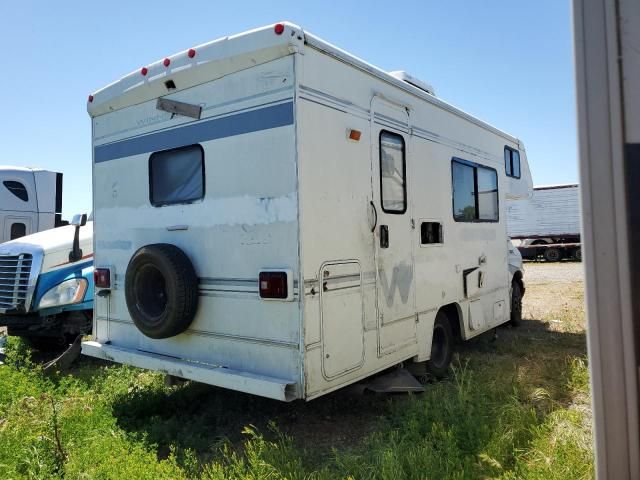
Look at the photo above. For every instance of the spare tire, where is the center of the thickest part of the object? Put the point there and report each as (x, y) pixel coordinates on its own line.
(161, 289)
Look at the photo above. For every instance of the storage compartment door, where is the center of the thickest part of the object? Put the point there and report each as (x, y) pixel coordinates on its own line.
(342, 318)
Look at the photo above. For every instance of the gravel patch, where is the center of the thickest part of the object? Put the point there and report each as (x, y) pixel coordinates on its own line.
(561, 272)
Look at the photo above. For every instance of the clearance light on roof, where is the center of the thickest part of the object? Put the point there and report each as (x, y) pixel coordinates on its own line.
(166, 62)
(191, 53)
(278, 28)
(90, 98)
(144, 71)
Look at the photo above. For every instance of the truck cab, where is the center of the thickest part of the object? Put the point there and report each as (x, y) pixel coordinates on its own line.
(46, 284)
(30, 201)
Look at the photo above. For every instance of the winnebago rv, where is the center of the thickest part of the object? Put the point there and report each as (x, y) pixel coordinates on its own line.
(548, 224)
(276, 216)
(30, 201)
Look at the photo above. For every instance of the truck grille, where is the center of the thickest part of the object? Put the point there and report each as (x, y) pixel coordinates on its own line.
(15, 271)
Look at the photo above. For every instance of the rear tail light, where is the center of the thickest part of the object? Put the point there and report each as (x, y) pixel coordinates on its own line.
(102, 277)
(275, 285)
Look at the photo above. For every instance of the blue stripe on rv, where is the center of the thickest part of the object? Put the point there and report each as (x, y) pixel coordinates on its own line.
(245, 122)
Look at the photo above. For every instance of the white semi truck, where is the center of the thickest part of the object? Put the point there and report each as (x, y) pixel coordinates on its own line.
(547, 225)
(30, 201)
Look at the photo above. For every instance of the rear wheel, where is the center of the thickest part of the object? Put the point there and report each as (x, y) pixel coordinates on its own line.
(577, 254)
(441, 346)
(516, 304)
(552, 255)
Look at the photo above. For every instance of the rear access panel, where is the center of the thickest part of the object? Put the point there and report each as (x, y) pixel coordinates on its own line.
(341, 316)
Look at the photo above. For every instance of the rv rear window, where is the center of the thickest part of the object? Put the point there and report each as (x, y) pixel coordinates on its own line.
(18, 189)
(475, 192)
(512, 162)
(393, 189)
(176, 176)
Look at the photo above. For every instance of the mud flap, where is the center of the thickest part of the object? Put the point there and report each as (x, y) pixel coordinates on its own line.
(396, 381)
(66, 359)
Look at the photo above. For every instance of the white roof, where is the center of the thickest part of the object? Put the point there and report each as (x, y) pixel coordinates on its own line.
(10, 168)
(229, 54)
(556, 185)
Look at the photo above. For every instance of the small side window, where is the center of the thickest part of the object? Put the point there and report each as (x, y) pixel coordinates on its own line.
(393, 188)
(18, 230)
(18, 189)
(176, 176)
(431, 232)
(511, 162)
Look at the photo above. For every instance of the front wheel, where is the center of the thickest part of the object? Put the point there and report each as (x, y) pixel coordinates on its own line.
(516, 304)
(441, 347)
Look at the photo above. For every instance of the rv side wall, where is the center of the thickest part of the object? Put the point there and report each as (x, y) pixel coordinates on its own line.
(246, 221)
(367, 307)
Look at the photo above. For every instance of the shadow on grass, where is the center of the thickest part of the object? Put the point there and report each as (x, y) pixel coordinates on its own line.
(528, 360)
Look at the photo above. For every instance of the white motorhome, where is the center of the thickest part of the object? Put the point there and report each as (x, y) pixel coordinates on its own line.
(276, 216)
(30, 201)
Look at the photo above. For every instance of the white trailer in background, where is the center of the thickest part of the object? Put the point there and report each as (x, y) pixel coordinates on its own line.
(276, 216)
(548, 224)
(30, 201)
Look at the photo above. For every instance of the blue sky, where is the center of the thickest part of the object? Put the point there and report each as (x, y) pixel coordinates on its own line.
(508, 62)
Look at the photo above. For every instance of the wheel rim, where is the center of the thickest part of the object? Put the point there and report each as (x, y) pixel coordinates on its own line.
(553, 255)
(151, 293)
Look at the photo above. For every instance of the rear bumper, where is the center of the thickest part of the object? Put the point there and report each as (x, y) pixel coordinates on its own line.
(265, 386)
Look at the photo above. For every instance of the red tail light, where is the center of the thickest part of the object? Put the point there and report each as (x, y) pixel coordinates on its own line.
(102, 277)
(278, 28)
(273, 285)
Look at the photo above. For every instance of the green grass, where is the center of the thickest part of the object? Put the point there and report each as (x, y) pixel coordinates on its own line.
(517, 408)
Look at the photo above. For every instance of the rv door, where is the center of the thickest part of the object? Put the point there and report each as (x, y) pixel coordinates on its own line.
(395, 287)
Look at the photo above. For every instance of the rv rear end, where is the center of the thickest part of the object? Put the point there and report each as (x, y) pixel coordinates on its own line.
(195, 201)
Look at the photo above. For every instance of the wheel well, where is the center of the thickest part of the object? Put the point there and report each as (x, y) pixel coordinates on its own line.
(455, 316)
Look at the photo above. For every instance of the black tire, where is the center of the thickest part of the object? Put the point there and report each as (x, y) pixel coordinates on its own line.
(577, 254)
(161, 289)
(442, 345)
(516, 303)
(552, 255)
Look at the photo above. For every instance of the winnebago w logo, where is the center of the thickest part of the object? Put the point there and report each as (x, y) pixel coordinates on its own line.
(400, 280)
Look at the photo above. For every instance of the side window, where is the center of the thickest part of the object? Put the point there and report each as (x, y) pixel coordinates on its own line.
(475, 192)
(464, 200)
(431, 232)
(487, 192)
(176, 176)
(17, 230)
(511, 162)
(393, 188)
(18, 189)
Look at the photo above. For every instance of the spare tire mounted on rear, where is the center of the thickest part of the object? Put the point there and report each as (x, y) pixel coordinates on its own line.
(161, 289)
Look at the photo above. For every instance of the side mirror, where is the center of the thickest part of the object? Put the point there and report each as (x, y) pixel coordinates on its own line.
(79, 220)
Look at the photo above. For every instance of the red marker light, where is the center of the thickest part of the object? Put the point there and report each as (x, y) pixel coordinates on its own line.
(191, 53)
(102, 277)
(166, 62)
(90, 98)
(278, 28)
(144, 71)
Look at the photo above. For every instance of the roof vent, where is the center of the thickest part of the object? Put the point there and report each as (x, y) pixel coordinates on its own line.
(405, 77)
